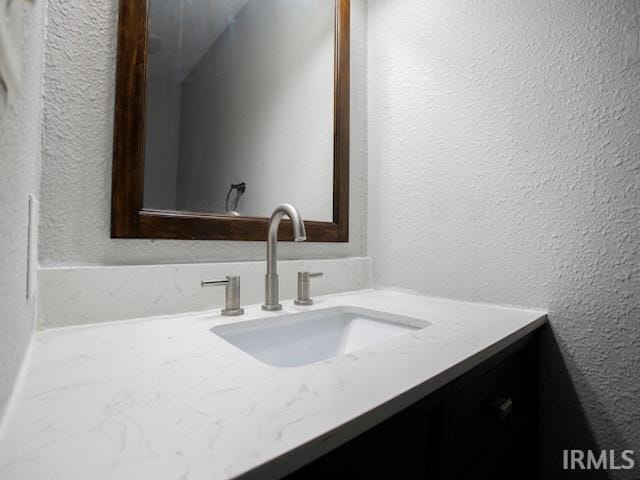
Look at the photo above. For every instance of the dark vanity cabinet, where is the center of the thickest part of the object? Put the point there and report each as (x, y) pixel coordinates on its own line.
(482, 425)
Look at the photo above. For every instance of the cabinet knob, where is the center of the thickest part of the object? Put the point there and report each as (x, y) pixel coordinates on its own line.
(503, 407)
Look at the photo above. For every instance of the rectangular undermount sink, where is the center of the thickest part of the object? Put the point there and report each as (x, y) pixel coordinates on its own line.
(296, 339)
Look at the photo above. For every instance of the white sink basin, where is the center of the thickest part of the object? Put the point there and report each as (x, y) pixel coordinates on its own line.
(297, 339)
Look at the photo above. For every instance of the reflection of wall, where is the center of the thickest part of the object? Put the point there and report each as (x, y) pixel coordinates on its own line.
(180, 35)
(202, 23)
(162, 143)
(504, 156)
(183, 31)
(259, 109)
(163, 104)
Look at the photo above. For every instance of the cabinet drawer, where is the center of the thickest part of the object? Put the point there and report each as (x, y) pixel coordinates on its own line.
(488, 408)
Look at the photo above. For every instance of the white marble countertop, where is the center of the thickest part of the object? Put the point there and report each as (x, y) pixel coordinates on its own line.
(164, 398)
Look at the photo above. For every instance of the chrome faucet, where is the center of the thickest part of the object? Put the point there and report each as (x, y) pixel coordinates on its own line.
(271, 302)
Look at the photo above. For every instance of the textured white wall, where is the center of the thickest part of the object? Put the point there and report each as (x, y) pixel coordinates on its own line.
(504, 166)
(76, 176)
(20, 132)
(258, 108)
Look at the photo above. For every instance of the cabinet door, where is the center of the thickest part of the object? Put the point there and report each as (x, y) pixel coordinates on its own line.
(509, 458)
(492, 420)
(407, 446)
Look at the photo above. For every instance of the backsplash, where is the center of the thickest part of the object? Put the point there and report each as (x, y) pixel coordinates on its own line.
(82, 295)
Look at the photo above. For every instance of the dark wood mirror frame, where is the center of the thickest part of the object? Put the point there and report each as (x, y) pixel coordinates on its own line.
(129, 218)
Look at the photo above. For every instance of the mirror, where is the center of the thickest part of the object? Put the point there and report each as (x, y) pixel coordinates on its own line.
(224, 110)
(240, 106)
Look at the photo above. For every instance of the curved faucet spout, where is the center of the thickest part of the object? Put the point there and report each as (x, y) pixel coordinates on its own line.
(299, 235)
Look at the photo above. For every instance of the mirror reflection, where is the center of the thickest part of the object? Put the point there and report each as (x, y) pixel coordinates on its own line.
(240, 106)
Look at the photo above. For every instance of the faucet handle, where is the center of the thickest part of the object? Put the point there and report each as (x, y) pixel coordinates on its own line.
(214, 283)
(232, 294)
(303, 287)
